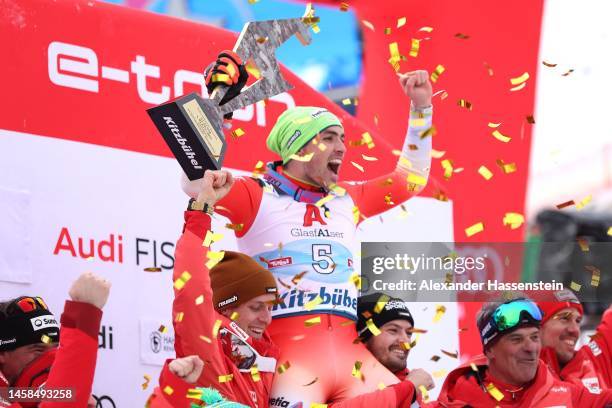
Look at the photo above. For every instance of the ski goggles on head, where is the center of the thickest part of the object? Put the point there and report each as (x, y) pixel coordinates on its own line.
(242, 354)
(29, 304)
(508, 316)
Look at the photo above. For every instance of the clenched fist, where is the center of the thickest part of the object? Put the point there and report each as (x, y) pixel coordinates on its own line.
(188, 368)
(89, 288)
(417, 87)
(420, 377)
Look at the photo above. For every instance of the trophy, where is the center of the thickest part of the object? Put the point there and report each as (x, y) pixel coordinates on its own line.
(193, 126)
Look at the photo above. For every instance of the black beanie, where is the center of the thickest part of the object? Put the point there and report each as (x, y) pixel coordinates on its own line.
(394, 309)
(24, 321)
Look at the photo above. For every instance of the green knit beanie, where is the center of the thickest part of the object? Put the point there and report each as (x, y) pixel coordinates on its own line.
(296, 127)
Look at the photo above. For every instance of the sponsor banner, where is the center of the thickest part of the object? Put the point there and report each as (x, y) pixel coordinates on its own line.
(42, 322)
(155, 346)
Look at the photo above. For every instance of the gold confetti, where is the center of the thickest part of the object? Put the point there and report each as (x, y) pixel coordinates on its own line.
(313, 303)
(437, 72)
(162, 329)
(584, 244)
(234, 316)
(489, 69)
(520, 79)
(152, 269)
(451, 355)
(179, 317)
(199, 300)
(381, 386)
(388, 30)
(567, 73)
(415, 45)
(317, 405)
(439, 373)
(530, 119)
(368, 158)
(485, 172)
(395, 56)
(180, 282)
(168, 390)
(344, 6)
(513, 220)
(195, 393)
(565, 204)
(235, 227)
(575, 286)
(357, 370)
(416, 180)
(283, 367)
(211, 237)
(356, 279)
(424, 393)
(465, 104)
(260, 168)
(147, 379)
(519, 87)
(324, 200)
(226, 378)
(253, 70)
(447, 165)
(388, 199)
(440, 310)
(380, 303)
(462, 36)
(260, 40)
(507, 168)
(493, 125)
(401, 22)
(346, 101)
(255, 373)
(429, 132)
(426, 29)
(548, 64)
(499, 136)
(238, 132)
(368, 24)
(474, 229)
(372, 327)
(358, 166)
(356, 215)
(367, 140)
(312, 321)
(474, 368)
(304, 158)
(440, 195)
(584, 202)
(214, 257)
(610, 231)
(495, 393)
(45, 339)
(322, 147)
(312, 382)
(206, 339)
(216, 327)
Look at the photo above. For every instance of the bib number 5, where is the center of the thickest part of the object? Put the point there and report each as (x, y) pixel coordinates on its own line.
(322, 260)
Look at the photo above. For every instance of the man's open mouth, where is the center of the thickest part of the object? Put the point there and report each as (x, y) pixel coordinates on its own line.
(334, 165)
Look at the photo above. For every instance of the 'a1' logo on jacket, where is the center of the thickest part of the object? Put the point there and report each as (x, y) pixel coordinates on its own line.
(313, 213)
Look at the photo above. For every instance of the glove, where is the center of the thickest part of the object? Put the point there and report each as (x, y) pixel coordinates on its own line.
(227, 71)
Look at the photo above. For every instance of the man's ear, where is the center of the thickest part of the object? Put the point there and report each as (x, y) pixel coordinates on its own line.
(489, 353)
(227, 312)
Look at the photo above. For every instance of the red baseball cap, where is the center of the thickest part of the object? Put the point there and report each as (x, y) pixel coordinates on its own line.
(559, 300)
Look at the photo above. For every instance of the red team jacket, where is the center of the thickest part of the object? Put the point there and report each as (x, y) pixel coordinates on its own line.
(591, 366)
(462, 389)
(75, 358)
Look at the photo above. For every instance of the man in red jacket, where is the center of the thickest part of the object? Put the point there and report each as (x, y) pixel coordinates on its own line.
(591, 365)
(384, 325)
(29, 352)
(510, 374)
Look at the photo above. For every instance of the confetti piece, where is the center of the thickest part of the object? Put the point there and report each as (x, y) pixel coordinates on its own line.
(45, 339)
(147, 379)
(317, 405)
(368, 24)
(344, 6)
(380, 303)
(356, 215)
(520, 79)
(415, 45)
(474, 368)
(214, 257)
(440, 195)
(416, 180)
(304, 158)
(206, 339)
(388, 199)
(451, 355)
(179, 317)
(462, 36)
(372, 327)
(216, 327)
(199, 300)
(440, 310)
(575, 286)
(322, 147)
(253, 70)
(346, 101)
(424, 393)
(255, 373)
(381, 386)
(180, 282)
(152, 269)
(238, 132)
(313, 303)
(368, 158)
(312, 382)
(387, 30)
(358, 166)
(489, 69)
(168, 390)
(530, 119)
(226, 378)
(465, 104)
(324, 200)
(567, 73)
(162, 329)
(584, 244)
(426, 29)
(493, 125)
(298, 277)
(548, 64)
(260, 40)
(260, 168)
(437, 154)
(195, 393)
(437, 72)
(429, 132)
(435, 358)
(565, 204)
(395, 56)
(366, 138)
(499, 136)
(235, 227)
(439, 373)
(474, 229)
(485, 172)
(610, 231)
(507, 168)
(513, 220)
(356, 372)
(519, 87)
(312, 321)
(283, 367)
(495, 393)
(401, 22)
(584, 202)
(211, 237)
(447, 165)
(356, 279)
